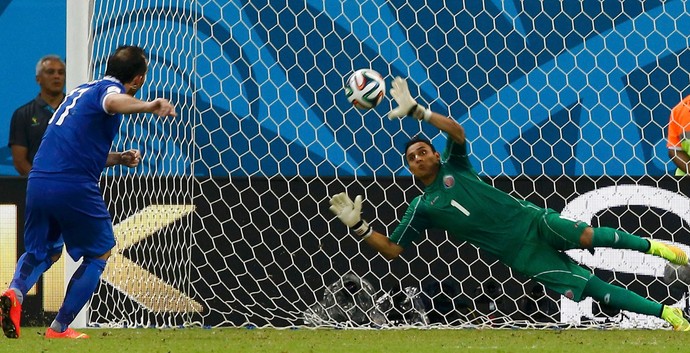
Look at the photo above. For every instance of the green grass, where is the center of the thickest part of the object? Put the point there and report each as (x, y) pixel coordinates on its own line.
(352, 341)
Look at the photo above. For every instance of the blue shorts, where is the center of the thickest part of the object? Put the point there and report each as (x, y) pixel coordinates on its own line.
(73, 214)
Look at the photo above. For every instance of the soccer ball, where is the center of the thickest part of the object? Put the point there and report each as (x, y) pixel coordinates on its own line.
(365, 88)
(677, 276)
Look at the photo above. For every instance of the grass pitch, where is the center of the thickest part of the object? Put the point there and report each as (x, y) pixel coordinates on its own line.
(352, 341)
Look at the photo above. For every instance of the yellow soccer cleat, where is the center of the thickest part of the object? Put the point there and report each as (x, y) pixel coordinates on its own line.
(675, 317)
(671, 253)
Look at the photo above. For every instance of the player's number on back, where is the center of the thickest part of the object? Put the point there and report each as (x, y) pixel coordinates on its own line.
(72, 98)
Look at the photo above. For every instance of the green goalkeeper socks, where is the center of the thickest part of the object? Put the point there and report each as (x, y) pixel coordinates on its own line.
(616, 239)
(620, 298)
(612, 238)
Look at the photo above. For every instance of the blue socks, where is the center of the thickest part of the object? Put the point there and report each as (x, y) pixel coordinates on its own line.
(29, 269)
(81, 286)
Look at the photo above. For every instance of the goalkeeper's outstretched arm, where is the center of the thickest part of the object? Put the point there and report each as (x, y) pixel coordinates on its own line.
(408, 106)
(383, 245)
(348, 211)
(681, 159)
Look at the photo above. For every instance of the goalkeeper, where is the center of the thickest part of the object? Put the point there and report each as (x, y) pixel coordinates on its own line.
(527, 238)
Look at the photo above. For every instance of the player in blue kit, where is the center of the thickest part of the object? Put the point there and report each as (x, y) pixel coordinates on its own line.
(64, 204)
(527, 238)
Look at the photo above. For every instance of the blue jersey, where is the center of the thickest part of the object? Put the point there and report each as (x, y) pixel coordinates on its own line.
(77, 141)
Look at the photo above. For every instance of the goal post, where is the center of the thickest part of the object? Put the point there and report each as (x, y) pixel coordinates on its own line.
(77, 62)
(226, 221)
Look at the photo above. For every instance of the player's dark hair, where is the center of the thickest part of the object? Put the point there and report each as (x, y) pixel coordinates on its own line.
(415, 139)
(126, 63)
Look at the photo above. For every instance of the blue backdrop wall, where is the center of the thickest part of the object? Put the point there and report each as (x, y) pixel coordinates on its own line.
(29, 29)
(569, 87)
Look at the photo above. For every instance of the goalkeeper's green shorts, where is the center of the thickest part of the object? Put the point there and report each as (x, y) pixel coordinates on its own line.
(541, 258)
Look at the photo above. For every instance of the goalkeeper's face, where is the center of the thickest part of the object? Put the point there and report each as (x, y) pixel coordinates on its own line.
(423, 161)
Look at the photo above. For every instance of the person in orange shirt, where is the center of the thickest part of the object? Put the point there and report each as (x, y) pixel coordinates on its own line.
(679, 136)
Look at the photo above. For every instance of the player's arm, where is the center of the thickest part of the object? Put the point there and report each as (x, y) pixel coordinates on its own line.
(20, 158)
(408, 106)
(125, 104)
(676, 138)
(681, 159)
(19, 143)
(383, 245)
(348, 212)
(129, 158)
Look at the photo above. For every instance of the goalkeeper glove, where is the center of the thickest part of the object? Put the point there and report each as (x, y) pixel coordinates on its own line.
(406, 104)
(348, 212)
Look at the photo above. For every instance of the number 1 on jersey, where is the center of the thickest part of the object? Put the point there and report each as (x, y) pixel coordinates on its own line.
(459, 207)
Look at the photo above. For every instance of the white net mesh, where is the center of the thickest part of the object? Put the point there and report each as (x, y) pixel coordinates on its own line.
(226, 223)
(148, 277)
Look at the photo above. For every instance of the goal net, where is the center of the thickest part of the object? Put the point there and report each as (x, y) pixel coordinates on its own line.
(226, 223)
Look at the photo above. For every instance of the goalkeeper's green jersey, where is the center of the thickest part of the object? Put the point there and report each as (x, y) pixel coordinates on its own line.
(459, 202)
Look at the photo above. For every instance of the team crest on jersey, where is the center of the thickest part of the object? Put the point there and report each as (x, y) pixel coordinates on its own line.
(448, 181)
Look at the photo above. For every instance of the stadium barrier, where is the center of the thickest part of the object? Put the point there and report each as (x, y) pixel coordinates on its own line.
(267, 259)
(274, 258)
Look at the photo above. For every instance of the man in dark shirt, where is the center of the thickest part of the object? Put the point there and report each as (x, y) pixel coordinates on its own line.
(29, 121)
